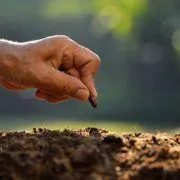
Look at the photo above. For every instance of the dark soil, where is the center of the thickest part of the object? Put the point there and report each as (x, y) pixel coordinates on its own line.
(90, 154)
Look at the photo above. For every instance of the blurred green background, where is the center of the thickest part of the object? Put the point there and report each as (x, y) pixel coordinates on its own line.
(139, 45)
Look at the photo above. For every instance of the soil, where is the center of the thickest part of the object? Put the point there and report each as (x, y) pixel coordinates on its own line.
(89, 154)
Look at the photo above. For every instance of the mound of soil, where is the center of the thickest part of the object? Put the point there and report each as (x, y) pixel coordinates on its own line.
(90, 154)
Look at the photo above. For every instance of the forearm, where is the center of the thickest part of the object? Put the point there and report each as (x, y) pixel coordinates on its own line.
(8, 55)
(8, 49)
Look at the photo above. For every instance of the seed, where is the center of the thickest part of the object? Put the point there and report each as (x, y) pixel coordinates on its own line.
(92, 101)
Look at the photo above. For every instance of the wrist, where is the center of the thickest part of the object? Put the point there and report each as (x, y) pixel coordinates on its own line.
(8, 56)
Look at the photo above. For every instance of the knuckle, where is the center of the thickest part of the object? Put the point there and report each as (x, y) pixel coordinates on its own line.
(62, 38)
(97, 59)
(57, 40)
(94, 57)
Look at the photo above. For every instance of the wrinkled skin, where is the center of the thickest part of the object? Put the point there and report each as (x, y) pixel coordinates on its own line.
(58, 67)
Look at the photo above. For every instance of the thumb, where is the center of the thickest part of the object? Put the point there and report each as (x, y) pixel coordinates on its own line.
(61, 83)
(89, 82)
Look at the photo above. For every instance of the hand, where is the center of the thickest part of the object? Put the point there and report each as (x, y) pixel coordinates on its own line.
(57, 66)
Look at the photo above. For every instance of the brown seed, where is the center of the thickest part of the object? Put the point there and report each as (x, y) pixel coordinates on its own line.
(92, 101)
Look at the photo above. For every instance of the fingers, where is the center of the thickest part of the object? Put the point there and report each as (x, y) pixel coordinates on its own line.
(56, 98)
(89, 82)
(10, 86)
(53, 98)
(60, 83)
(73, 72)
(88, 64)
(72, 56)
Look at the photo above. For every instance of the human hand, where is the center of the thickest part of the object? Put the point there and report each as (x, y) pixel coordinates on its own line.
(57, 66)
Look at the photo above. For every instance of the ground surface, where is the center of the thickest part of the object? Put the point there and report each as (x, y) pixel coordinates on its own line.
(90, 154)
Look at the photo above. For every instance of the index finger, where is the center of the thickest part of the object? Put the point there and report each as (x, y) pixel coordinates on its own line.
(87, 62)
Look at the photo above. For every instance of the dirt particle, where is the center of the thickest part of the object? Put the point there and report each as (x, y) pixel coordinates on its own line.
(40, 130)
(132, 142)
(154, 139)
(34, 130)
(138, 134)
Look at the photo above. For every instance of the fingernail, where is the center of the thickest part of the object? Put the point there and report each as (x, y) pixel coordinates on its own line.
(94, 93)
(82, 94)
